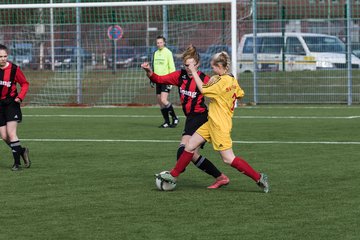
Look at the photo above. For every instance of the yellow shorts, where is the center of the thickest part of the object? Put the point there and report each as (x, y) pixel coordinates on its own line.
(219, 139)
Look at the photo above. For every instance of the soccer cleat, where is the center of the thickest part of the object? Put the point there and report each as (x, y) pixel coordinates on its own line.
(219, 182)
(263, 183)
(25, 156)
(15, 167)
(164, 125)
(175, 122)
(166, 176)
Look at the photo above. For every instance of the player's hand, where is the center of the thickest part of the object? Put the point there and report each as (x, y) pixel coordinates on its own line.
(18, 100)
(146, 66)
(193, 66)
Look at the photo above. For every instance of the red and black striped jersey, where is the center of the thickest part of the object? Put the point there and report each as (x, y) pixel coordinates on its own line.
(191, 99)
(9, 76)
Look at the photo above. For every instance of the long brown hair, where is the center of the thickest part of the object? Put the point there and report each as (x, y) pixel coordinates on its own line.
(191, 52)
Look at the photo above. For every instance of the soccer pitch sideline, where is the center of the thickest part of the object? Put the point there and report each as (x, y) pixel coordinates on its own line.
(93, 170)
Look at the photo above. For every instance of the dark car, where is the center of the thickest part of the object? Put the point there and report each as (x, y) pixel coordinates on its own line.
(210, 51)
(145, 54)
(356, 49)
(357, 53)
(66, 57)
(177, 56)
(133, 56)
(125, 57)
(22, 54)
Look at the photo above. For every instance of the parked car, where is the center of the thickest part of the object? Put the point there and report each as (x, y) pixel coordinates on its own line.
(177, 55)
(125, 57)
(175, 51)
(133, 56)
(66, 57)
(356, 52)
(303, 51)
(143, 54)
(356, 49)
(21, 54)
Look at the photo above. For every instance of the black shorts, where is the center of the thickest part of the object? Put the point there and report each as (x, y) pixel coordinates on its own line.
(162, 88)
(9, 111)
(193, 122)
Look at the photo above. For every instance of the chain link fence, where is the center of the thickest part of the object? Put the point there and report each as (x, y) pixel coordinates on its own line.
(288, 51)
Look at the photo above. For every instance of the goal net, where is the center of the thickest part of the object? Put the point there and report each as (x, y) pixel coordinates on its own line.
(86, 52)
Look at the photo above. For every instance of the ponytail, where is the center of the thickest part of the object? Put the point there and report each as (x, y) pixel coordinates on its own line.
(191, 52)
(222, 59)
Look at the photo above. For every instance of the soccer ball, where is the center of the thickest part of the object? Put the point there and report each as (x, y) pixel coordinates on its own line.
(164, 186)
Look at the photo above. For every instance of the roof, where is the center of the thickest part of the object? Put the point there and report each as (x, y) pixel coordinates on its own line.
(275, 34)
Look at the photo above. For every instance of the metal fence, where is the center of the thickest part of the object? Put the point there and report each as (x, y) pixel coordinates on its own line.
(288, 51)
(302, 52)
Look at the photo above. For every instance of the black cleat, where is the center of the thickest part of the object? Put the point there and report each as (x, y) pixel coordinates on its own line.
(164, 125)
(15, 167)
(175, 122)
(25, 156)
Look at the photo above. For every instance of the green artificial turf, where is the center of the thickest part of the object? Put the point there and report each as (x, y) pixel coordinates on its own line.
(102, 185)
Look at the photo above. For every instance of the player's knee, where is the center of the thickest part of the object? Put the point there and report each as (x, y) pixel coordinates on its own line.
(190, 147)
(160, 102)
(227, 160)
(164, 98)
(164, 101)
(227, 157)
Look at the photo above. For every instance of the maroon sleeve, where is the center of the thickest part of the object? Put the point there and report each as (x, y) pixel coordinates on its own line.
(206, 79)
(170, 79)
(20, 78)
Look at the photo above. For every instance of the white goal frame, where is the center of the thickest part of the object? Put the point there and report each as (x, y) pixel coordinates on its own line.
(146, 3)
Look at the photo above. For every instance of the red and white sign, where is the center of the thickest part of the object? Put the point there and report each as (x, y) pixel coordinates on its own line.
(115, 32)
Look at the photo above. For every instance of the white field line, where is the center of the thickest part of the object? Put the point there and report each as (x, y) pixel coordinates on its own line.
(177, 141)
(158, 116)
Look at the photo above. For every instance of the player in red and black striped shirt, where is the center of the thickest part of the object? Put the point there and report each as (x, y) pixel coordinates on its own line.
(10, 112)
(194, 107)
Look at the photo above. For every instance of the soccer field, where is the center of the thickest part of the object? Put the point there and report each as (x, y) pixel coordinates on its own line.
(93, 177)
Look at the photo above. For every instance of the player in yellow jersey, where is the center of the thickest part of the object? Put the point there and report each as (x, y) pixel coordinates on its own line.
(223, 91)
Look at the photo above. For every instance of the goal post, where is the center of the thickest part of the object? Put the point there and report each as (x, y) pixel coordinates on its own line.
(65, 25)
(142, 3)
(112, 4)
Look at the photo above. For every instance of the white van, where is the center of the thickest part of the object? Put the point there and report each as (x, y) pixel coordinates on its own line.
(303, 51)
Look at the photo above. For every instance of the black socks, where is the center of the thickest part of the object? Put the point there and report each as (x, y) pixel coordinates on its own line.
(204, 164)
(17, 150)
(165, 113)
(168, 109)
(171, 111)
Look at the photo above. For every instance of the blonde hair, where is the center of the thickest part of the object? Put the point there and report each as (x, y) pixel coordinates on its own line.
(222, 59)
(191, 52)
